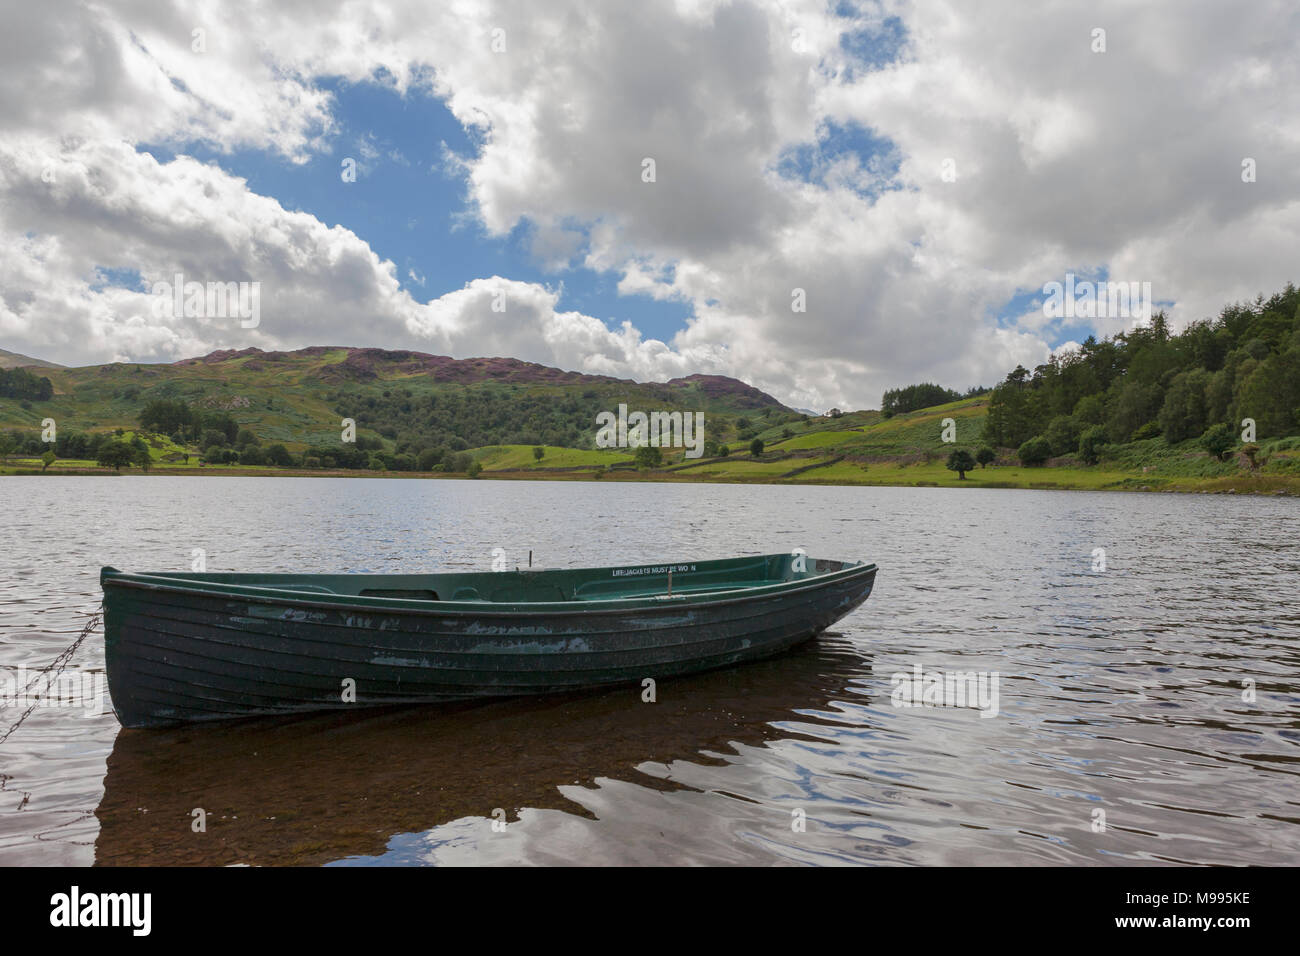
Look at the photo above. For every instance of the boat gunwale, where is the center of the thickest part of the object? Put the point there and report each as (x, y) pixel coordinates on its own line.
(115, 578)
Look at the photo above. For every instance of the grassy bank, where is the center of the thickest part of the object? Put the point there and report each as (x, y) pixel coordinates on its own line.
(749, 471)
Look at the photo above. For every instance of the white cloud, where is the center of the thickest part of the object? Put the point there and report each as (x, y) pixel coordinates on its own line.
(1067, 160)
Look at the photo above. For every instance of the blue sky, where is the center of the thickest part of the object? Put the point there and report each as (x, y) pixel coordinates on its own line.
(410, 205)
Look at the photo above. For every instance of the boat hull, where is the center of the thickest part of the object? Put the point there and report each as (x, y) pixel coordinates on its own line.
(176, 654)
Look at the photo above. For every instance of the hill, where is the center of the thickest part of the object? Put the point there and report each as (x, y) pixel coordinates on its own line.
(17, 360)
(403, 402)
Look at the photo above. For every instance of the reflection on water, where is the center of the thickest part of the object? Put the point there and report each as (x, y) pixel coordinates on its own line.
(1147, 713)
(311, 790)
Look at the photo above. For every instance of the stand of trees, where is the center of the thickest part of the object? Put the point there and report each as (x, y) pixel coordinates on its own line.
(898, 401)
(20, 383)
(1149, 382)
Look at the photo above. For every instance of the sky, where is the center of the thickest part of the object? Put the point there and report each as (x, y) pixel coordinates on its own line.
(844, 197)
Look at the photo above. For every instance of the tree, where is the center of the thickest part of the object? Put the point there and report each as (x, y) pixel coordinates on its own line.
(1217, 440)
(756, 447)
(279, 455)
(1184, 414)
(1090, 443)
(474, 470)
(1132, 406)
(1013, 417)
(539, 453)
(47, 459)
(1062, 434)
(114, 454)
(1035, 451)
(647, 456)
(961, 462)
(166, 416)
(986, 456)
(140, 451)
(1271, 394)
(246, 437)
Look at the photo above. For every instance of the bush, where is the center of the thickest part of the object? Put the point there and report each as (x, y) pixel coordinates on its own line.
(756, 447)
(1218, 440)
(647, 456)
(1090, 444)
(1149, 430)
(1035, 451)
(986, 456)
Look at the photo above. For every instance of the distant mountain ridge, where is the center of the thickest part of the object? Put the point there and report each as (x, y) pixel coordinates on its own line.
(18, 360)
(372, 364)
(404, 400)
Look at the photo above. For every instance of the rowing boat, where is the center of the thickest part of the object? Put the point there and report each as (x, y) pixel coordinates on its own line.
(209, 646)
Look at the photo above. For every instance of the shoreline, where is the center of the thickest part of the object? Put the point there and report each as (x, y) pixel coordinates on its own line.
(1003, 478)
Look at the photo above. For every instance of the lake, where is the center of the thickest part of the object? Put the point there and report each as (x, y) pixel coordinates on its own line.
(1146, 649)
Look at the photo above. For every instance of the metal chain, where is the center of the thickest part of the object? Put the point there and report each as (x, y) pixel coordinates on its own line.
(57, 665)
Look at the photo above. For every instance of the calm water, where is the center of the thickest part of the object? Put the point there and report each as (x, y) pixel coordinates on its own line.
(1119, 690)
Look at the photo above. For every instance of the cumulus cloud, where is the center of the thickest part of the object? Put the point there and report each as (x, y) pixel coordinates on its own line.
(1060, 158)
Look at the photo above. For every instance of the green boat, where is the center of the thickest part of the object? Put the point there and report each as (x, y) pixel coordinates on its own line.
(211, 646)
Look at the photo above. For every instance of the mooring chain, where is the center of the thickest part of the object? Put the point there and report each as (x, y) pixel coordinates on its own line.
(57, 665)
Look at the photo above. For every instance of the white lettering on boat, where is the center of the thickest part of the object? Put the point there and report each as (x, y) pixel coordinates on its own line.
(663, 569)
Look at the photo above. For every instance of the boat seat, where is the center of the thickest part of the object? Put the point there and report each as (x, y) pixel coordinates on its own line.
(405, 594)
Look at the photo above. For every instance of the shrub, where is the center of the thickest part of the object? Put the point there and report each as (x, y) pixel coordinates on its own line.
(1090, 444)
(1035, 451)
(647, 456)
(1217, 440)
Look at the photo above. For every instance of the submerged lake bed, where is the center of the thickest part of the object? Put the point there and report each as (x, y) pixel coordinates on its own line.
(1135, 699)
